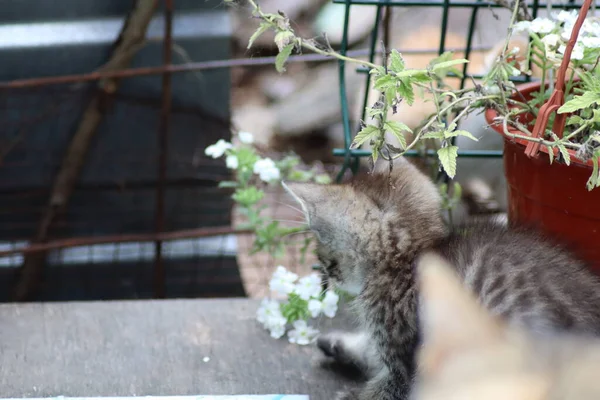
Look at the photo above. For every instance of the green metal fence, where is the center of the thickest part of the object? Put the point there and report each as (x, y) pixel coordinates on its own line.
(351, 156)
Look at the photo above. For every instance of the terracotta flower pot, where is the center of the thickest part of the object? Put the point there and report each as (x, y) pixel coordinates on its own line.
(552, 197)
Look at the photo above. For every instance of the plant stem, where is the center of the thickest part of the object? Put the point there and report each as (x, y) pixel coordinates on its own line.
(434, 119)
(307, 44)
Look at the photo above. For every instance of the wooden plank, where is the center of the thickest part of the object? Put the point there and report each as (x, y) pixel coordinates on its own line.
(151, 348)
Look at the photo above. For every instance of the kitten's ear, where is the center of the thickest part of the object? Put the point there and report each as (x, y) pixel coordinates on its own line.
(308, 195)
(316, 204)
(451, 319)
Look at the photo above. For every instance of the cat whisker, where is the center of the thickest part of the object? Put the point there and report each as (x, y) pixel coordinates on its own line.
(295, 233)
(290, 221)
(290, 206)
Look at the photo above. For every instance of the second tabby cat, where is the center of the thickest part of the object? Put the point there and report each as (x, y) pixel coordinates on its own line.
(468, 354)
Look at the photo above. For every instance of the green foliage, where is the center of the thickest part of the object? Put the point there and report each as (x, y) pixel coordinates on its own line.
(577, 103)
(447, 156)
(295, 309)
(262, 28)
(282, 57)
(248, 196)
(369, 132)
(594, 180)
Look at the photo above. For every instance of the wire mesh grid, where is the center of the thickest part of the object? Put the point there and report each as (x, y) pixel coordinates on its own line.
(472, 9)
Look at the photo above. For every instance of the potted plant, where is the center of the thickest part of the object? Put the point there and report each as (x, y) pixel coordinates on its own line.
(555, 192)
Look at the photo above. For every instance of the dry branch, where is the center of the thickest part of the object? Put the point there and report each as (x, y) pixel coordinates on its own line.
(130, 40)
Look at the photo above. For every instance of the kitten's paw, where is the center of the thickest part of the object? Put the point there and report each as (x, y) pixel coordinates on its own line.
(349, 395)
(349, 349)
(330, 344)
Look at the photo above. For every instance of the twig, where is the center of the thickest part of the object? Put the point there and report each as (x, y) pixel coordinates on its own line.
(523, 14)
(131, 38)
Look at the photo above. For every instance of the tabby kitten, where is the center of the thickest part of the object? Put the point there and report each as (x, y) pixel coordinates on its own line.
(370, 233)
(468, 354)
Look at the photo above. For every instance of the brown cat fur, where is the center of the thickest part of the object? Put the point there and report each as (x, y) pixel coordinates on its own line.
(370, 233)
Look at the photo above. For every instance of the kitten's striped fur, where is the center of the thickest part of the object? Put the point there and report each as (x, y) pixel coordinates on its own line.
(371, 232)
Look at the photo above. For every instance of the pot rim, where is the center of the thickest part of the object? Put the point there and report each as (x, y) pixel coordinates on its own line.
(525, 89)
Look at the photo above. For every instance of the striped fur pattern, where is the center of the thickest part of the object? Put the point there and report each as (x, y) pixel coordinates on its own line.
(370, 233)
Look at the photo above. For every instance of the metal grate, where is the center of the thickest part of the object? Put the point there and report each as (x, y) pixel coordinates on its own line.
(380, 31)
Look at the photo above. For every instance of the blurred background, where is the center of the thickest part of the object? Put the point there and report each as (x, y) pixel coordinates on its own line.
(103, 175)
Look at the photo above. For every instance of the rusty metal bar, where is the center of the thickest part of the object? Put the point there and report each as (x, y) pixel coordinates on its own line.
(163, 151)
(125, 238)
(187, 67)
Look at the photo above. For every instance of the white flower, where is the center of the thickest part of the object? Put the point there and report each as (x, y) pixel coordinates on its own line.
(231, 161)
(330, 303)
(591, 42)
(521, 26)
(566, 16)
(266, 169)
(542, 25)
(315, 307)
(270, 316)
(218, 149)
(268, 310)
(309, 286)
(277, 331)
(567, 31)
(551, 40)
(302, 334)
(246, 137)
(282, 281)
(515, 50)
(576, 54)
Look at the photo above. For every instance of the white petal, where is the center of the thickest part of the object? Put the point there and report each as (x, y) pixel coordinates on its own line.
(246, 137)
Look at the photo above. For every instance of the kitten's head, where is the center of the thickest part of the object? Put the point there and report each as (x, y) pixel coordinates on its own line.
(362, 222)
(468, 354)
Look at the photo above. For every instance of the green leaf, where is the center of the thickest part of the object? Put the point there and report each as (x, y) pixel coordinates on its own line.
(282, 57)
(379, 70)
(421, 76)
(263, 27)
(575, 120)
(433, 135)
(367, 133)
(396, 61)
(406, 91)
(228, 184)
(565, 153)
(383, 82)
(447, 156)
(246, 157)
(390, 94)
(457, 195)
(594, 180)
(451, 63)
(374, 112)
(551, 154)
(375, 153)
(397, 128)
(580, 102)
(248, 196)
(299, 176)
(323, 179)
(449, 134)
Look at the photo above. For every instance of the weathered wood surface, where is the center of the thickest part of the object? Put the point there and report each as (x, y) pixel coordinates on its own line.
(155, 348)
